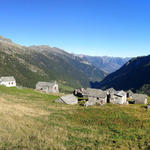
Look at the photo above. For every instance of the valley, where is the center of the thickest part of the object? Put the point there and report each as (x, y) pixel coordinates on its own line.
(134, 75)
(44, 63)
(74, 75)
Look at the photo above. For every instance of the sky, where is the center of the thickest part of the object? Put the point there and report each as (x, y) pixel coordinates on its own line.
(91, 27)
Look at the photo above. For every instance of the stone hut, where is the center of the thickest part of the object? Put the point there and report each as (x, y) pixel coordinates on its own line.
(95, 96)
(47, 87)
(8, 81)
(120, 97)
(139, 98)
(110, 95)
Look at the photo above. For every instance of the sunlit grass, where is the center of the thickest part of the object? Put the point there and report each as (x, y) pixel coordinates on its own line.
(31, 120)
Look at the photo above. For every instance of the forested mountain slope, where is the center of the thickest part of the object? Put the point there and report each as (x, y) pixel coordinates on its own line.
(31, 64)
(134, 75)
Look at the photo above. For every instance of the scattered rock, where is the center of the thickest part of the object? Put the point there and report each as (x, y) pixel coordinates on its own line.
(148, 106)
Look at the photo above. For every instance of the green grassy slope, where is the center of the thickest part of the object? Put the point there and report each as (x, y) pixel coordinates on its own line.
(30, 120)
(43, 63)
(11, 66)
(57, 68)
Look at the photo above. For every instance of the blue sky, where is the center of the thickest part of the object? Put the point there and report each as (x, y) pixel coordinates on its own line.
(92, 27)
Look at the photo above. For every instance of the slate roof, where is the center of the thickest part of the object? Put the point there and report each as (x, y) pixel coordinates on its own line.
(139, 97)
(95, 93)
(7, 79)
(111, 90)
(120, 93)
(45, 84)
(67, 99)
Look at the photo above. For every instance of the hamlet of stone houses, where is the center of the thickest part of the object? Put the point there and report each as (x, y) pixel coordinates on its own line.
(89, 96)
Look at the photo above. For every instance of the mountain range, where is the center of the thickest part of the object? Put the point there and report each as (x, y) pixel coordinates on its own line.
(134, 75)
(105, 63)
(44, 63)
(31, 64)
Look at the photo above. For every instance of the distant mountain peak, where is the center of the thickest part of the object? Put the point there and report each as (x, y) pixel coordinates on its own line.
(42, 62)
(5, 39)
(40, 46)
(105, 63)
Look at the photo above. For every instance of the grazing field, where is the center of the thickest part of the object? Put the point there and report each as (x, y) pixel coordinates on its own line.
(30, 120)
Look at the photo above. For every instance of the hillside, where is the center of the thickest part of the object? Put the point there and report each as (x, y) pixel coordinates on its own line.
(30, 120)
(105, 63)
(31, 64)
(134, 75)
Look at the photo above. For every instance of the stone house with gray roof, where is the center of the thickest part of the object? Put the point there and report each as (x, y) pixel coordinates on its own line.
(110, 95)
(139, 98)
(116, 97)
(120, 97)
(95, 96)
(100, 97)
(8, 81)
(47, 87)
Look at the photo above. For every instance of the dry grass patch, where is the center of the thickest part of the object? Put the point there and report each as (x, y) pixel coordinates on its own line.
(10, 108)
(31, 121)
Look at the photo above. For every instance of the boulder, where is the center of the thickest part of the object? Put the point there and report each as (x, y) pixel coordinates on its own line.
(148, 106)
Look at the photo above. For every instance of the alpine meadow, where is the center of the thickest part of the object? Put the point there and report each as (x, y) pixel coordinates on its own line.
(74, 75)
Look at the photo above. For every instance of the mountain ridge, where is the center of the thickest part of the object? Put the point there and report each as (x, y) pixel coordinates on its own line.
(31, 64)
(133, 75)
(105, 63)
(42, 62)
